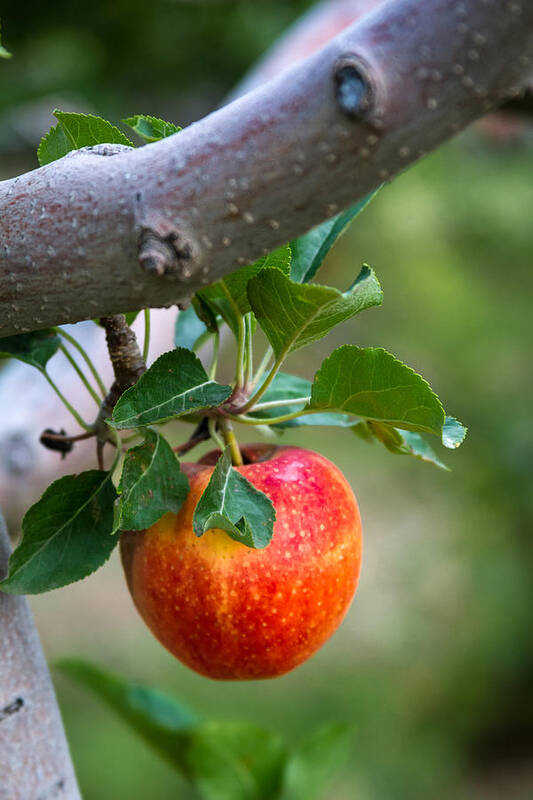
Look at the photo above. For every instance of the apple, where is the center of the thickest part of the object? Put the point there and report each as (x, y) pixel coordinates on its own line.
(234, 613)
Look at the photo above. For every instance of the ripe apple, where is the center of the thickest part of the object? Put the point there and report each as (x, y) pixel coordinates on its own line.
(234, 613)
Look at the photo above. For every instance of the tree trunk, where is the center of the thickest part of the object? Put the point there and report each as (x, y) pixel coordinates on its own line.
(35, 761)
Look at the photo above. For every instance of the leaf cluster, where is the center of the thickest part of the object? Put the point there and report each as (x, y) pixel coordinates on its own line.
(75, 525)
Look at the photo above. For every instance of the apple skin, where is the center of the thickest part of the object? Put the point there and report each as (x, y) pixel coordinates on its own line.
(231, 612)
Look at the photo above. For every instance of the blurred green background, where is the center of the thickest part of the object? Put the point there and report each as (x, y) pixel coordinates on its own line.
(434, 663)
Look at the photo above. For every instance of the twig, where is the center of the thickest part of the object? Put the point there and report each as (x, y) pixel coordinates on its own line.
(128, 366)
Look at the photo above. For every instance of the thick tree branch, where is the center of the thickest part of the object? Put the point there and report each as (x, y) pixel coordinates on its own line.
(34, 757)
(308, 34)
(321, 23)
(98, 234)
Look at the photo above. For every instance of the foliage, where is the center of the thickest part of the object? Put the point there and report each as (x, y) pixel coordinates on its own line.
(151, 129)
(224, 760)
(74, 131)
(151, 484)
(35, 349)
(366, 389)
(230, 503)
(3, 52)
(66, 534)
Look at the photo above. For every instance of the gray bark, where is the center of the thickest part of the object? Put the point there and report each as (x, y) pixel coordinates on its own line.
(35, 761)
(96, 234)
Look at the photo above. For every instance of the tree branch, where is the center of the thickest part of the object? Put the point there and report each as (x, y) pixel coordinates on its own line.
(34, 757)
(321, 23)
(107, 229)
(309, 33)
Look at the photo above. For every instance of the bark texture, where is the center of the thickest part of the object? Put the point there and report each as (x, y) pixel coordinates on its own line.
(108, 229)
(35, 761)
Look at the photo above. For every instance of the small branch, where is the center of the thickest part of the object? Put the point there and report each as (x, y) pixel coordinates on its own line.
(126, 358)
(184, 448)
(200, 434)
(63, 437)
(60, 442)
(128, 366)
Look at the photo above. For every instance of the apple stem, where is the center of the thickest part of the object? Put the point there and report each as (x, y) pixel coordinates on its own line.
(231, 441)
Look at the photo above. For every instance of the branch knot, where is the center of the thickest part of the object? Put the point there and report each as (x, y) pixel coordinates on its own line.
(163, 255)
(354, 92)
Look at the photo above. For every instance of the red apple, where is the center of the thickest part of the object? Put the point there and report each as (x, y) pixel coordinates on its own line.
(234, 613)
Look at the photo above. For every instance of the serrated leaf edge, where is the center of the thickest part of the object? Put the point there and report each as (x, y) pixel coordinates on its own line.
(392, 423)
(4, 584)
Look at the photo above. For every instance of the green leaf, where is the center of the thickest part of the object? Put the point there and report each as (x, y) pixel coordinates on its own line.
(453, 433)
(228, 296)
(152, 483)
(371, 383)
(315, 761)
(225, 760)
(289, 387)
(310, 250)
(3, 52)
(175, 384)
(232, 504)
(293, 315)
(74, 131)
(151, 129)
(405, 443)
(53, 145)
(189, 327)
(236, 761)
(35, 348)
(362, 431)
(163, 722)
(204, 312)
(85, 130)
(66, 534)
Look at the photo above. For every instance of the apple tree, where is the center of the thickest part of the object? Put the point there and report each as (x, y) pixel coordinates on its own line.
(230, 219)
